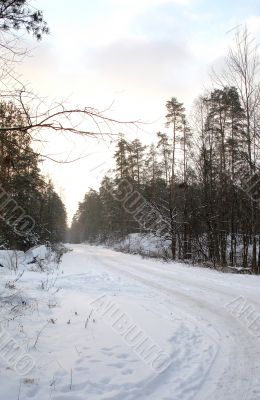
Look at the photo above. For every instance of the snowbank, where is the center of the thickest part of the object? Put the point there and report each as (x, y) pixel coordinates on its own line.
(37, 252)
(145, 244)
(41, 257)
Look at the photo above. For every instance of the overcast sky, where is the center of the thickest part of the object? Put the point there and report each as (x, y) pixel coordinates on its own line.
(137, 53)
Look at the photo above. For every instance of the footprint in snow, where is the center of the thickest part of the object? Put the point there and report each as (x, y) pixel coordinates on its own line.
(123, 356)
(32, 392)
(79, 369)
(127, 372)
(105, 380)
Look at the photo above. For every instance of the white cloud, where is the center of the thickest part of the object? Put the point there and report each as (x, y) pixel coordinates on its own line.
(141, 62)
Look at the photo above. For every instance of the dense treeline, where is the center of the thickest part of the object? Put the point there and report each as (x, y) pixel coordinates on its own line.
(24, 189)
(202, 176)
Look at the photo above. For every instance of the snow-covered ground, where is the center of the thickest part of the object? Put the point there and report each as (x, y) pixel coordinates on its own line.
(109, 325)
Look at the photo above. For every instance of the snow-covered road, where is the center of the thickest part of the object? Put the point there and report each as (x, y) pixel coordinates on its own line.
(207, 323)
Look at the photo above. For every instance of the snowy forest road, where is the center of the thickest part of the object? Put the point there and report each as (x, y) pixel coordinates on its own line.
(215, 343)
